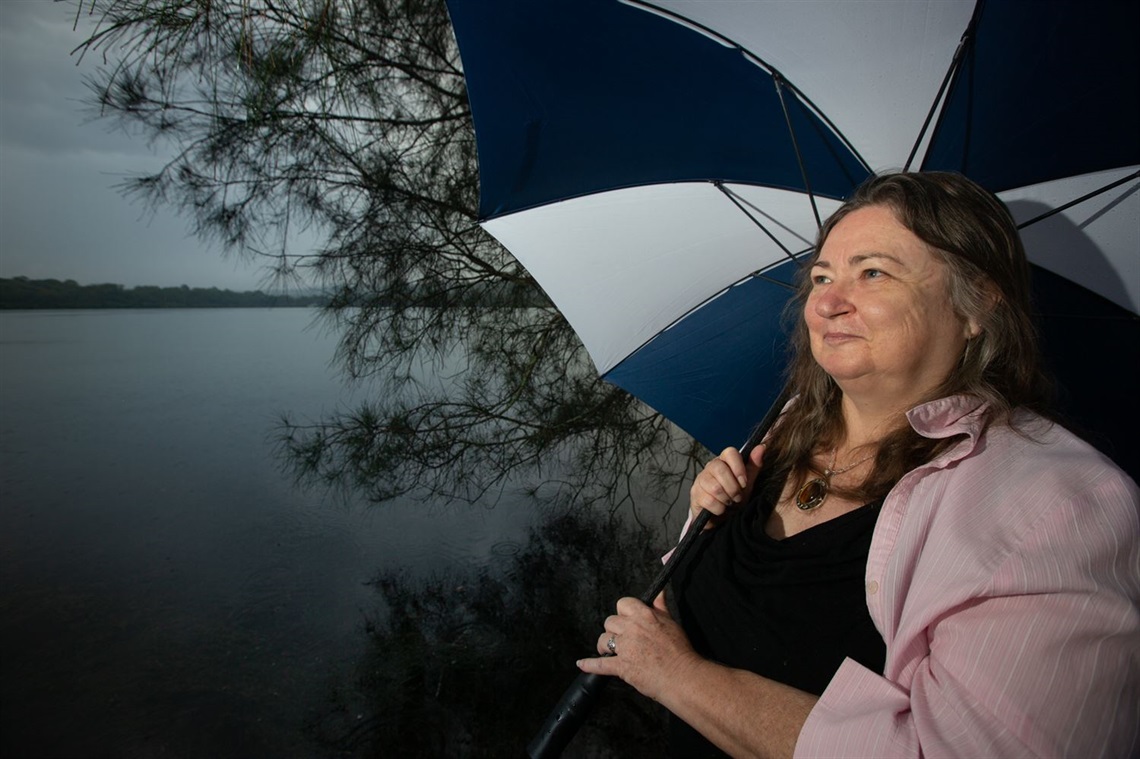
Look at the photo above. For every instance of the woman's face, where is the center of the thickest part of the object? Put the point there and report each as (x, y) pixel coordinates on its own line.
(879, 311)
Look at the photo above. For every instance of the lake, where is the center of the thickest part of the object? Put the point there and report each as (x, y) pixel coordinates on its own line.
(166, 589)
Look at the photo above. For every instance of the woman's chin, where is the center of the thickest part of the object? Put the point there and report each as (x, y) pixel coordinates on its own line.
(848, 372)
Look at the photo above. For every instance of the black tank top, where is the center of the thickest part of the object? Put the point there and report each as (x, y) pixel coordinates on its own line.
(790, 610)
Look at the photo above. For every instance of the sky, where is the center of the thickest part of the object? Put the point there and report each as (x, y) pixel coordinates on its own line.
(61, 216)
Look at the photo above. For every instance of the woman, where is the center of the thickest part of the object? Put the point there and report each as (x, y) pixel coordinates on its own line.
(921, 562)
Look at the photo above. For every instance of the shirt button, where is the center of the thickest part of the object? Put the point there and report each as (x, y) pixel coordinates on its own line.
(872, 588)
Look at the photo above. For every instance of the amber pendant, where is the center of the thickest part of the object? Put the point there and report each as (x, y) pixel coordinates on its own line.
(811, 494)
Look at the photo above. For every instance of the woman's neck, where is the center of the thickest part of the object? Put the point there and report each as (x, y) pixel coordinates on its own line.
(866, 423)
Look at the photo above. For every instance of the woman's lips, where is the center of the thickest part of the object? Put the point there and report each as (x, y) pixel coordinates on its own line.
(839, 337)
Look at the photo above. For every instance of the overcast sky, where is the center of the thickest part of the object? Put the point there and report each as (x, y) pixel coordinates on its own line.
(60, 214)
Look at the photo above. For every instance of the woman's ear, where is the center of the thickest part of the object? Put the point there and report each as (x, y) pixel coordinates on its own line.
(974, 323)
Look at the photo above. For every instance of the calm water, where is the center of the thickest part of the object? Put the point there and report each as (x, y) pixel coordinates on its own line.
(166, 591)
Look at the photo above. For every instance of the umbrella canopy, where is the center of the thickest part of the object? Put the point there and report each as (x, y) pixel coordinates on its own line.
(659, 167)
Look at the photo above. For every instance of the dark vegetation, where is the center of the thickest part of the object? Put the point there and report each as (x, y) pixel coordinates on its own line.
(470, 663)
(24, 293)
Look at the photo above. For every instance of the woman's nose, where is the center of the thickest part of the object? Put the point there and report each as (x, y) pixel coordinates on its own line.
(832, 301)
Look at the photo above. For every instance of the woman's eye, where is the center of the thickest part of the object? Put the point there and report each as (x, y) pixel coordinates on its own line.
(819, 279)
(872, 273)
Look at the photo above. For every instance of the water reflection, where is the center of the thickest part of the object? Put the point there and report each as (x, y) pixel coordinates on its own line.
(165, 592)
(469, 663)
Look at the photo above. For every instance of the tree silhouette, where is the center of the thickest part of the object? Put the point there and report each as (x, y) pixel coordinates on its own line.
(349, 120)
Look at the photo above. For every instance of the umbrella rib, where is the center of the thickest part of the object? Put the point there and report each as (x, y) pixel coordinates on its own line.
(955, 64)
(1082, 199)
(785, 285)
(739, 204)
(819, 114)
(778, 78)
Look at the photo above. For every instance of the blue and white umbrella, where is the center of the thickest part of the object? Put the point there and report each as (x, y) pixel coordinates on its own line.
(659, 166)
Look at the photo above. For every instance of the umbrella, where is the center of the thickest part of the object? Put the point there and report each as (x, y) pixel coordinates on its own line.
(660, 168)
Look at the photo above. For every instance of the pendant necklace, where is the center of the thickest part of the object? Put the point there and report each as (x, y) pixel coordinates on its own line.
(814, 491)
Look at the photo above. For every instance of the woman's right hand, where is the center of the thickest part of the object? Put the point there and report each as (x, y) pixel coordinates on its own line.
(725, 481)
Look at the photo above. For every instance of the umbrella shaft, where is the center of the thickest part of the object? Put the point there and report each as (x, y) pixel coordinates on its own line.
(578, 700)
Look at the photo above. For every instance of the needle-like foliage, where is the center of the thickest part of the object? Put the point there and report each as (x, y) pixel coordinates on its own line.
(347, 121)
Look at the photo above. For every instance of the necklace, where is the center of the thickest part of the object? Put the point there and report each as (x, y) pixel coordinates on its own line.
(814, 491)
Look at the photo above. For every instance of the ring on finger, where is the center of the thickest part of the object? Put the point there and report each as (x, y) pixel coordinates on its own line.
(611, 644)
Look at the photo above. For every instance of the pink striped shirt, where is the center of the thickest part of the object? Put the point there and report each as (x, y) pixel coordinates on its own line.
(1004, 577)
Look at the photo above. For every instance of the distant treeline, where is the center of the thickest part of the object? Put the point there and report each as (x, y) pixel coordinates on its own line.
(24, 293)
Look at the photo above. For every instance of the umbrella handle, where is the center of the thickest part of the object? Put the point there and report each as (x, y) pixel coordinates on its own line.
(578, 700)
(567, 716)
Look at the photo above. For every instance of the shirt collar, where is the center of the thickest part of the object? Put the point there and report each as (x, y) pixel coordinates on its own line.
(947, 417)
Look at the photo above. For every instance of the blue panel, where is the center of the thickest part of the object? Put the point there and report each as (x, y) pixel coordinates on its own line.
(1048, 90)
(716, 373)
(1090, 345)
(571, 97)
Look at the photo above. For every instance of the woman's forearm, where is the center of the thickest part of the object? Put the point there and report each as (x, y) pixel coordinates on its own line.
(744, 714)
(739, 711)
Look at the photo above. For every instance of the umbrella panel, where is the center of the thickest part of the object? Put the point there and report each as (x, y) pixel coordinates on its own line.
(1057, 98)
(624, 265)
(716, 375)
(571, 97)
(1088, 242)
(1092, 346)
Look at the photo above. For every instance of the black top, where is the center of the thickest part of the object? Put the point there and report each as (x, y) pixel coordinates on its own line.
(790, 610)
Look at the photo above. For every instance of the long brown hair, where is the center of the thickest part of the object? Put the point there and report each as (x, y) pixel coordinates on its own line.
(973, 234)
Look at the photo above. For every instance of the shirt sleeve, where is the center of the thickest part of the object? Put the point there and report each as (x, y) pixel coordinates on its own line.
(1043, 661)
(684, 528)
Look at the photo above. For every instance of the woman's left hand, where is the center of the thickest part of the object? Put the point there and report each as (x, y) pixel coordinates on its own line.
(650, 650)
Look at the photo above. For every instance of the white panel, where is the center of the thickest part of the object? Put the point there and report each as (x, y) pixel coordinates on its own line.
(872, 66)
(623, 265)
(1096, 243)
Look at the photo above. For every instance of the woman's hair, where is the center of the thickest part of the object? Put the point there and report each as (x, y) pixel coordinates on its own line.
(973, 234)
